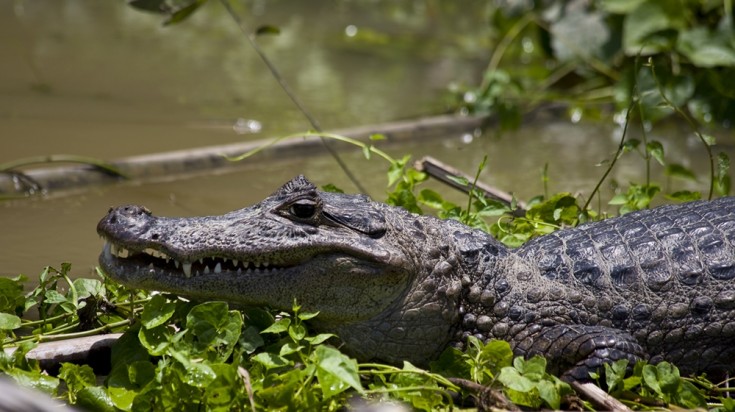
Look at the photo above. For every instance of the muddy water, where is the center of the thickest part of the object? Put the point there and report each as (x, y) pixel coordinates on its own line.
(98, 79)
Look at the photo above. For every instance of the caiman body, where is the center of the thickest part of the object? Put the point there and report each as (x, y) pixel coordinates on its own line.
(657, 284)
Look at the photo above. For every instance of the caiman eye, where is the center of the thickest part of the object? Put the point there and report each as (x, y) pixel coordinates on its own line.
(303, 209)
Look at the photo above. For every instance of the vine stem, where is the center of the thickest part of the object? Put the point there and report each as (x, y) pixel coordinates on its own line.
(621, 146)
(345, 139)
(694, 127)
(291, 95)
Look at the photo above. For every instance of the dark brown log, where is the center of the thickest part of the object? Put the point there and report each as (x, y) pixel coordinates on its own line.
(445, 174)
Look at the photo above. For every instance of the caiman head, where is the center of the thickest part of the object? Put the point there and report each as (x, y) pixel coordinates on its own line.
(384, 285)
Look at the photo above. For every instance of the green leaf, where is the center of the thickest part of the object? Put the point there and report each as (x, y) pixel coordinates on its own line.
(650, 378)
(267, 29)
(619, 6)
(615, 375)
(214, 330)
(705, 48)
(155, 340)
(335, 371)
(332, 188)
(549, 392)
(36, 380)
(95, 398)
(431, 198)
(377, 136)
(289, 348)
(512, 378)
(648, 18)
(320, 338)
(679, 171)
(656, 150)
(250, 340)
(157, 312)
(270, 360)
(279, 326)
(460, 180)
(307, 315)
(89, 287)
(76, 377)
(9, 322)
(183, 12)
(297, 332)
(709, 139)
(684, 196)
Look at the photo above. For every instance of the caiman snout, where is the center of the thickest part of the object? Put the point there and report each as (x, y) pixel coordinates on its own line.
(130, 219)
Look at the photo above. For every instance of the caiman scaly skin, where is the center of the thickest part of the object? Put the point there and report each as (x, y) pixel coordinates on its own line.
(656, 284)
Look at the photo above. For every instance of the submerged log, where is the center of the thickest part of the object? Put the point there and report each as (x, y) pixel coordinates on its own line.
(192, 162)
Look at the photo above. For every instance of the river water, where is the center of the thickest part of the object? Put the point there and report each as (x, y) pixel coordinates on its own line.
(99, 79)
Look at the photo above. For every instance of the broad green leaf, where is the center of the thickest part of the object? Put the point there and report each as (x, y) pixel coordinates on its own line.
(289, 348)
(250, 340)
(308, 315)
(431, 198)
(9, 322)
(122, 397)
(199, 375)
(36, 380)
(679, 171)
(77, 377)
(656, 150)
(157, 312)
(684, 196)
(335, 371)
(95, 398)
(297, 332)
(11, 295)
(690, 397)
(320, 338)
(278, 326)
(270, 360)
(140, 373)
(707, 48)
(549, 392)
(214, 329)
(512, 378)
(648, 18)
(651, 379)
(155, 340)
(89, 287)
(615, 375)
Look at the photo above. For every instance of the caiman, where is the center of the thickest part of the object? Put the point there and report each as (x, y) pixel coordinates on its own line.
(654, 284)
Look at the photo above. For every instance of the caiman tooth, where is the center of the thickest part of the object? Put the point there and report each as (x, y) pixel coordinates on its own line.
(235, 263)
(113, 249)
(206, 270)
(186, 267)
(265, 264)
(218, 268)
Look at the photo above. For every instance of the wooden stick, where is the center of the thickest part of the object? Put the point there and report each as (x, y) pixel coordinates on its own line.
(442, 172)
(601, 399)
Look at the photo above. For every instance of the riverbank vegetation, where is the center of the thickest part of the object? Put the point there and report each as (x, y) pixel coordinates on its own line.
(633, 62)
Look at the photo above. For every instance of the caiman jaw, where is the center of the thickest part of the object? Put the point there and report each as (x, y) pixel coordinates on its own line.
(154, 260)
